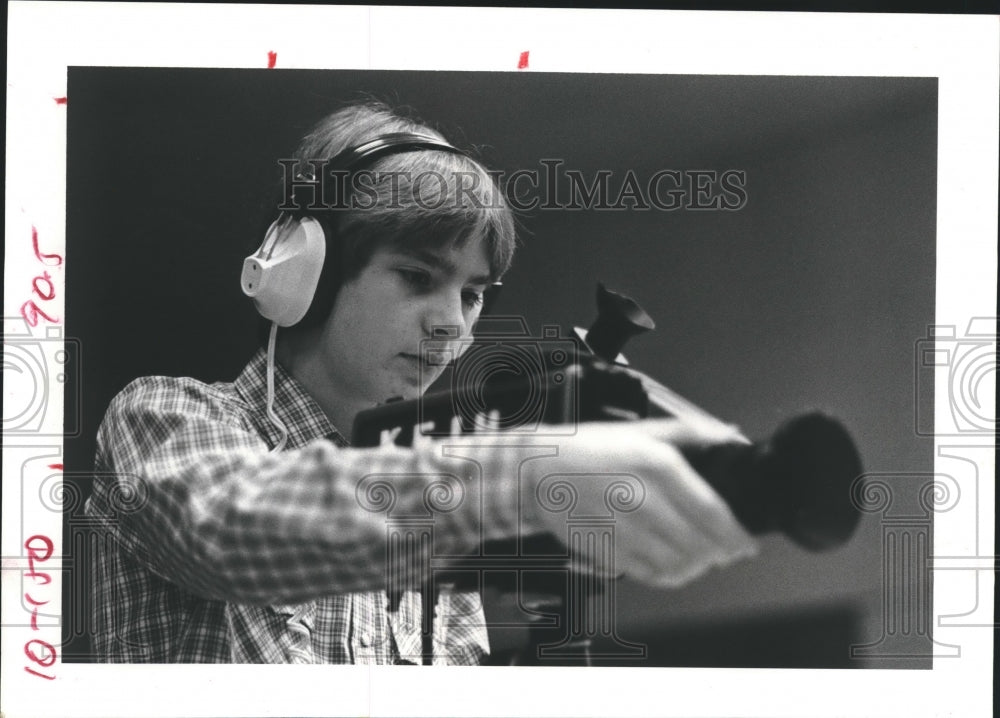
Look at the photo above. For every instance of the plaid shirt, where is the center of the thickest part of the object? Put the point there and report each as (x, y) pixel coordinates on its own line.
(219, 551)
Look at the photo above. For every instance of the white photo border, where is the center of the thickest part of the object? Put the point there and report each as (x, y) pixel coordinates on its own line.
(44, 39)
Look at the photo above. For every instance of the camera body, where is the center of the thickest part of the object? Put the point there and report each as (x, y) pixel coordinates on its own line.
(508, 380)
(512, 382)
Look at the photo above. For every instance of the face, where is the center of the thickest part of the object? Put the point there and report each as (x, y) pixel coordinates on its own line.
(395, 326)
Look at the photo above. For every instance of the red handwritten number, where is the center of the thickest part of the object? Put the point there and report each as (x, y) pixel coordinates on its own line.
(38, 554)
(34, 610)
(40, 675)
(33, 551)
(46, 659)
(33, 602)
(42, 285)
(47, 295)
(39, 549)
(38, 576)
(41, 256)
(31, 312)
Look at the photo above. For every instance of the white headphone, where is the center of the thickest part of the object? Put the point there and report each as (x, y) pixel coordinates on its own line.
(282, 276)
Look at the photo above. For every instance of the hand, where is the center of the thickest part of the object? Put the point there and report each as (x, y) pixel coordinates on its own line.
(670, 526)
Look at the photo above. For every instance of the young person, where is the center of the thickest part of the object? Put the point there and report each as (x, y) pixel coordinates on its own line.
(242, 526)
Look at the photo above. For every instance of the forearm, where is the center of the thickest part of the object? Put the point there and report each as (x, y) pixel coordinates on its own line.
(247, 526)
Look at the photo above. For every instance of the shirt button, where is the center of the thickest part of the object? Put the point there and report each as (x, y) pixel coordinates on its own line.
(365, 639)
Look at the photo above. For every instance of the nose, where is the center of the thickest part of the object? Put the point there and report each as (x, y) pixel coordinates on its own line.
(444, 318)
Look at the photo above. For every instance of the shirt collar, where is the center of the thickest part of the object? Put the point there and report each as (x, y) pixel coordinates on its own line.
(301, 415)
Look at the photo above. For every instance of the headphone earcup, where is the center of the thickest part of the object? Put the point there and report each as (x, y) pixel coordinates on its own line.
(281, 277)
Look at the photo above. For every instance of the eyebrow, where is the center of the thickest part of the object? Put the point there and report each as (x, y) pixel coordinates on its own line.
(438, 262)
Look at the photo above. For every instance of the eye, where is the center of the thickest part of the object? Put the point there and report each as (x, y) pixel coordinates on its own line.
(414, 277)
(472, 299)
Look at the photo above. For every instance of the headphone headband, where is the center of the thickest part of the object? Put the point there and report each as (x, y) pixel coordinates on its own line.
(390, 143)
(357, 156)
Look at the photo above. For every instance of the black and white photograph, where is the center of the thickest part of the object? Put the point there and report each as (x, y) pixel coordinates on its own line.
(768, 241)
(555, 373)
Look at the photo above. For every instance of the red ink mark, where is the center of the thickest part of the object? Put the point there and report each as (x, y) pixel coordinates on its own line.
(40, 675)
(57, 467)
(42, 285)
(41, 555)
(43, 653)
(60, 100)
(31, 312)
(39, 255)
(523, 62)
(46, 659)
(36, 553)
(37, 576)
(50, 291)
(272, 58)
(34, 612)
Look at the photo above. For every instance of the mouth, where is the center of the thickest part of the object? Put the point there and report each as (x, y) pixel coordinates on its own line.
(424, 363)
(436, 357)
(429, 357)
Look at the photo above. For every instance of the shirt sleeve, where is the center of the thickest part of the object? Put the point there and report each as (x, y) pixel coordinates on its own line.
(195, 495)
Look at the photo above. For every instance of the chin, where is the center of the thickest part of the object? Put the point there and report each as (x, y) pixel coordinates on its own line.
(408, 386)
(404, 390)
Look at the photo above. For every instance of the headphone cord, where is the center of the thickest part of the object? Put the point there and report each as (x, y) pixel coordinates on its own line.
(271, 342)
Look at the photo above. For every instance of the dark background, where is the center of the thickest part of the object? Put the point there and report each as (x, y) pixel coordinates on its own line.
(813, 295)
